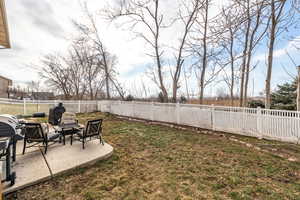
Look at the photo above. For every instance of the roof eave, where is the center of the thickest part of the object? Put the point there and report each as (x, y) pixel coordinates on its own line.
(4, 17)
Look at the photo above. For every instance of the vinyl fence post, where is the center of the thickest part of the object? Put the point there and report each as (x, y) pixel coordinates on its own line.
(24, 106)
(79, 106)
(213, 117)
(38, 105)
(133, 109)
(120, 110)
(258, 123)
(178, 113)
(152, 111)
(100, 106)
(109, 106)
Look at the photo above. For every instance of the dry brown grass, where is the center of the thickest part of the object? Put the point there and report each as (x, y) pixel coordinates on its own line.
(221, 102)
(17, 109)
(158, 162)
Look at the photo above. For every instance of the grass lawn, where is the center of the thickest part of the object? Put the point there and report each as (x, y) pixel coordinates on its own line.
(17, 109)
(159, 162)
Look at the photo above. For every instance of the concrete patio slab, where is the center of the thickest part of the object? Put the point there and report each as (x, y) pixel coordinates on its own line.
(66, 157)
(35, 167)
(31, 168)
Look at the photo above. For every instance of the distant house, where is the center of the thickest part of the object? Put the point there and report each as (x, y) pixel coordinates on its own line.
(19, 93)
(42, 95)
(5, 84)
(16, 92)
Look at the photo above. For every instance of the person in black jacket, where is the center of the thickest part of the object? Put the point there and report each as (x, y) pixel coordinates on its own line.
(55, 114)
(58, 112)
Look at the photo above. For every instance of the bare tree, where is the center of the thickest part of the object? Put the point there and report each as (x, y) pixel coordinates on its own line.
(86, 69)
(120, 90)
(145, 13)
(247, 26)
(91, 33)
(248, 31)
(254, 38)
(56, 73)
(93, 70)
(276, 17)
(77, 71)
(77, 74)
(204, 43)
(298, 89)
(296, 5)
(232, 34)
(188, 22)
(229, 25)
(199, 46)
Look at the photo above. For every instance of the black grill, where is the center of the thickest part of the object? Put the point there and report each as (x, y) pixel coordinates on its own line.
(6, 130)
(9, 126)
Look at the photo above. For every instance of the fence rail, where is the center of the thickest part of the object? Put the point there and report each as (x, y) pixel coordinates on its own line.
(262, 123)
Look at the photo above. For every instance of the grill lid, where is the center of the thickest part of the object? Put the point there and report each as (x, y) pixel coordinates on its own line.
(8, 125)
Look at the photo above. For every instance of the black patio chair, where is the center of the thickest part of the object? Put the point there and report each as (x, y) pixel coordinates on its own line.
(34, 134)
(93, 129)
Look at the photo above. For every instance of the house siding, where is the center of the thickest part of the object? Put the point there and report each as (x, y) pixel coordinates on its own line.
(4, 86)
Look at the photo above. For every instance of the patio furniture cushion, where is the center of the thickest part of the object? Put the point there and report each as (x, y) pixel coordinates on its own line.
(45, 127)
(68, 118)
(53, 136)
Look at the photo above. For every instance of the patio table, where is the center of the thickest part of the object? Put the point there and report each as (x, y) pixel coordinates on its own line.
(68, 129)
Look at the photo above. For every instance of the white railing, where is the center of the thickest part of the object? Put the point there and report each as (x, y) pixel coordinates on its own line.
(262, 123)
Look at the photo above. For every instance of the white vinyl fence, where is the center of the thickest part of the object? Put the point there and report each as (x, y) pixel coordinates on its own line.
(26, 107)
(262, 123)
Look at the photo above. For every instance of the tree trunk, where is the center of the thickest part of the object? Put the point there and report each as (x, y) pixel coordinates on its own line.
(106, 74)
(175, 87)
(160, 76)
(180, 60)
(204, 59)
(232, 68)
(202, 85)
(250, 49)
(243, 67)
(245, 99)
(298, 89)
(270, 57)
(157, 55)
(269, 75)
(118, 89)
(91, 91)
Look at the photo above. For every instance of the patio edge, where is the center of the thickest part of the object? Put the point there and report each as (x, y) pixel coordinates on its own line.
(44, 179)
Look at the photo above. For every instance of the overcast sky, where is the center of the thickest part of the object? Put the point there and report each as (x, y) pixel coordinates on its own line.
(40, 27)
